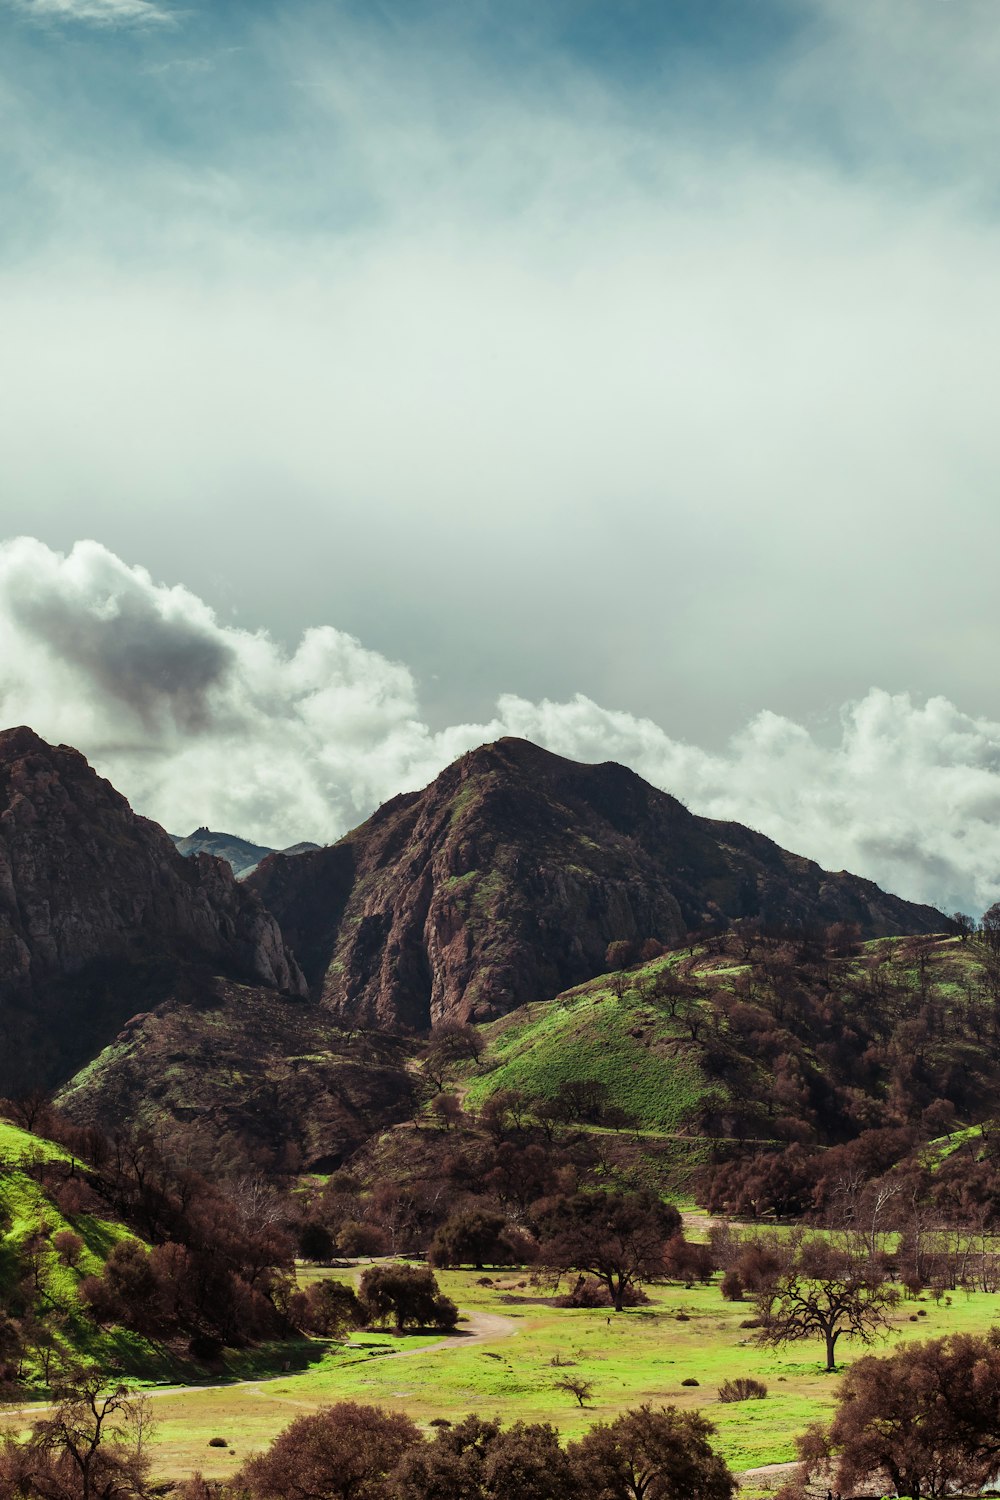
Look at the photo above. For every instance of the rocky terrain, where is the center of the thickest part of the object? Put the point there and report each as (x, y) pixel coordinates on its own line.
(99, 914)
(506, 879)
(238, 1078)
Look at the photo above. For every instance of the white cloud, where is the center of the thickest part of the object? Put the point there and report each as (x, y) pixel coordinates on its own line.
(96, 12)
(199, 722)
(717, 402)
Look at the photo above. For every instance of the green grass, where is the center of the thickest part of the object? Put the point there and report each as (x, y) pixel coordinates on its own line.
(641, 1355)
(640, 1056)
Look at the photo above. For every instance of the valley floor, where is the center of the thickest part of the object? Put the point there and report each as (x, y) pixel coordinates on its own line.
(501, 1361)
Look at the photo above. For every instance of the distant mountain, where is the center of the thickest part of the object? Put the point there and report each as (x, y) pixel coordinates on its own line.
(100, 915)
(506, 879)
(241, 854)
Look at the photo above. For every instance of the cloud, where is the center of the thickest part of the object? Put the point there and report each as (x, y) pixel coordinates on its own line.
(201, 722)
(710, 390)
(96, 12)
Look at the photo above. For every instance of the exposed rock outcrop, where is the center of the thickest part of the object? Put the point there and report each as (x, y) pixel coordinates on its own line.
(505, 880)
(98, 911)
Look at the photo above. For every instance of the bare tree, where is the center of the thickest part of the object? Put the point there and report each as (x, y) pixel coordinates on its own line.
(825, 1291)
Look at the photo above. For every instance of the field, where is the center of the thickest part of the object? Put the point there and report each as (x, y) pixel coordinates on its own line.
(501, 1362)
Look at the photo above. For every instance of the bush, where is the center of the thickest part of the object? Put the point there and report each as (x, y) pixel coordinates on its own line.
(217, 1443)
(743, 1389)
(732, 1287)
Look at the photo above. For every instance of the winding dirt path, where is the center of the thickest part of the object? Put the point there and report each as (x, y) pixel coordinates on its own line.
(478, 1328)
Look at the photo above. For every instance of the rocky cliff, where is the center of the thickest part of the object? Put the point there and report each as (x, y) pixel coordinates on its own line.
(98, 912)
(506, 879)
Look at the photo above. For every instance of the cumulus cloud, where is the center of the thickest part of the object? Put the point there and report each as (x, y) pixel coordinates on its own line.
(201, 722)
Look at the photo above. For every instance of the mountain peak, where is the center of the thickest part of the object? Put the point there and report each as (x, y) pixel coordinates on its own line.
(507, 878)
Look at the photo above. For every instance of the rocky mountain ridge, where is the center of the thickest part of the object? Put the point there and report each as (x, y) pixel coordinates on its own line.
(506, 879)
(98, 910)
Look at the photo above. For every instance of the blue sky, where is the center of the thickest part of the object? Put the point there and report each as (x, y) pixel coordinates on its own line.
(645, 352)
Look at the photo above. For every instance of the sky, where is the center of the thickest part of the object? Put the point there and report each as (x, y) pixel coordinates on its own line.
(380, 377)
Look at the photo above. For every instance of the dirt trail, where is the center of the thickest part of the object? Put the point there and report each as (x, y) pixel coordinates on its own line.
(477, 1328)
(767, 1477)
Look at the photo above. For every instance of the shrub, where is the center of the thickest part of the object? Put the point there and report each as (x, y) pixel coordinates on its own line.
(217, 1443)
(745, 1388)
(732, 1287)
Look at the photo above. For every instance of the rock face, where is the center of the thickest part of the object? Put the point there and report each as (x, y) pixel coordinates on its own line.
(98, 911)
(506, 879)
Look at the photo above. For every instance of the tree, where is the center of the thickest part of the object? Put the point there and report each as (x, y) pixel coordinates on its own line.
(69, 1246)
(652, 1454)
(407, 1295)
(923, 1421)
(527, 1463)
(450, 1467)
(821, 1290)
(475, 1460)
(328, 1307)
(474, 1238)
(343, 1452)
(581, 1389)
(617, 1237)
(450, 1043)
(447, 1109)
(91, 1448)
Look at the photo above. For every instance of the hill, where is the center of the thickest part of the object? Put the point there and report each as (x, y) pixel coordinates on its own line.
(755, 1038)
(39, 1282)
(242, 855)
(240, 1079)
(744, 1050)
(505, 881)
(100, 915)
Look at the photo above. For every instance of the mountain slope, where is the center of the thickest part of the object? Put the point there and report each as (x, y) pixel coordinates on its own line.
(241, 854)
(240, 1079)
(506, 879)
(99, 913)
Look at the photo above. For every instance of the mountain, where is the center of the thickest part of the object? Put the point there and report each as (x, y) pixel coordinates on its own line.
(506, 879)
(241, 854)
(99, 914)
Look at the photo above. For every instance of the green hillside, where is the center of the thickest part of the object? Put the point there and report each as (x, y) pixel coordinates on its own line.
(38, 1288)
(652, 1073)
(759, 1039)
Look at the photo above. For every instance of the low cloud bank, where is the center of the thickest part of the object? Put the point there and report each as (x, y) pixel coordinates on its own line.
(200, 722)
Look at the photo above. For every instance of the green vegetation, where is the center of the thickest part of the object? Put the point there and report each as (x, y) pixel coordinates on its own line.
(30, 1222)
(641, 1056)
(511, 1349)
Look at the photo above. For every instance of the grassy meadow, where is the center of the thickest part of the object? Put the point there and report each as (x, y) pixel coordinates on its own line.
(501, 1361)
